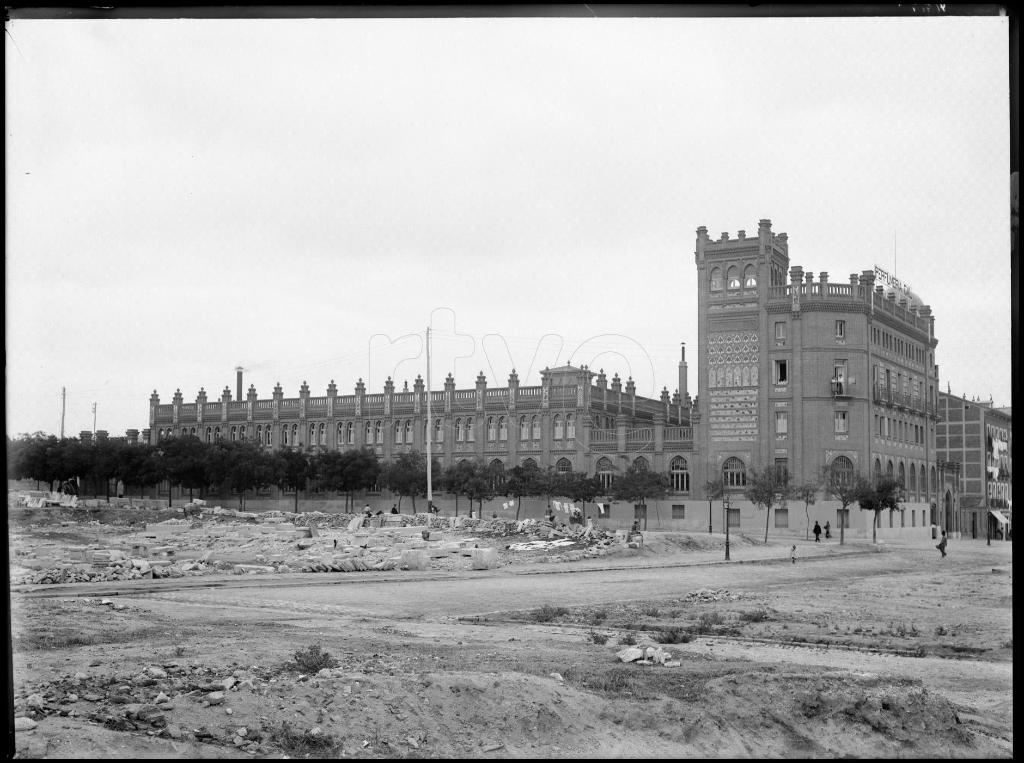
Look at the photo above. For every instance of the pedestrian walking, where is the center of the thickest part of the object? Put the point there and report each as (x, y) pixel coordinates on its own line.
(817, 532)
(942, 545)
(792, 554)
(828, 531)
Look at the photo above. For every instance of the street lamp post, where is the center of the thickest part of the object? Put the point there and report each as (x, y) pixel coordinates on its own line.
(725, 510)
(709, 517)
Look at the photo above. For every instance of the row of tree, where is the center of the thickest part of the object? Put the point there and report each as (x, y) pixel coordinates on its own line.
(198, 467)
(770, 488)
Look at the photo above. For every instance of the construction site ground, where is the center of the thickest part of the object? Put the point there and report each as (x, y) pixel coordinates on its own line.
(856, 650)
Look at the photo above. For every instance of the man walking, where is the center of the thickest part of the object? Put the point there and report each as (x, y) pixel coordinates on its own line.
(817, 532)
(942, 545)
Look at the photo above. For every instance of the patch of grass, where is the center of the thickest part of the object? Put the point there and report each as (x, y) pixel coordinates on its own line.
(902, 629)
(755, 616)
(302, 744)
(547, 613)
(599, 615)
(708, 622)
(940, 630)
(650, 611)
(628, 639)
(598, 638)
(312, 659)
(671, 635)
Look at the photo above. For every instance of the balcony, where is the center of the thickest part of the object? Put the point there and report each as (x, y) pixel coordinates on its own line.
(840, 389)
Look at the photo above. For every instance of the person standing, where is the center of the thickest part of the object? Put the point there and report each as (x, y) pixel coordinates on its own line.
(792, 554)
(817, 532)
(828, 531)
(942, 545)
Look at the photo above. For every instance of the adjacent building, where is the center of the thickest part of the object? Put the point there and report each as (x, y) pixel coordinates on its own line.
(975, 443)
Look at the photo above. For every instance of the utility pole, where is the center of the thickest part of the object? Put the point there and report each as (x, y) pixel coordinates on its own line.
(63, 405)
(94, 422)
(725, 510)
(430, 434)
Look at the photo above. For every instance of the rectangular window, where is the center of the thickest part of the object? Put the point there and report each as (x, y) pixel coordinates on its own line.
(733, 517)
(913, 518)
(781, 422)
(780, 331)
(782, 469)
(840, 329)
(678, 511)
(781, 375)
(842, 423)
(782, 518)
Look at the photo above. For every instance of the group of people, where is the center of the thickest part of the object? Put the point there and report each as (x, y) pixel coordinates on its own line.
(817, 531)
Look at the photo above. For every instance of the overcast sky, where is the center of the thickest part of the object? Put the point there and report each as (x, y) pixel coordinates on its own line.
(304, 197)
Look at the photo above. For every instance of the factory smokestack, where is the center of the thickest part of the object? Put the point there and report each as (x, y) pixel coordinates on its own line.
(238, 372)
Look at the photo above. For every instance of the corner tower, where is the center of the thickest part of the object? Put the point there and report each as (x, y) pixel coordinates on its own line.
(734, 276)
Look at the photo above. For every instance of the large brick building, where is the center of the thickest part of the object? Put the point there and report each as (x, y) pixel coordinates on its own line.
(795, 373)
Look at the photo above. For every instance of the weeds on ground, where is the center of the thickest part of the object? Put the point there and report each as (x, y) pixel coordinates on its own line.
(312, 659)
(547, 613)
(940, 630)
(902, 629)
(598, 616)
(598, 638)
(707, 622)
(755, 616)
(649, 611)
(672, 635)
(628, 639)
(302, 744)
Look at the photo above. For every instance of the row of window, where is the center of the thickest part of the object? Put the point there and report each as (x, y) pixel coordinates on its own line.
(841, 423)
(781, 328)
(901, 347)
(899, 430)
(732, 278)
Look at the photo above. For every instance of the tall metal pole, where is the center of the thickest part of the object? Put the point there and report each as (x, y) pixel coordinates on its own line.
(430, 434)
(94, 421)
(725, 510)
(63, 406)
(709, 517)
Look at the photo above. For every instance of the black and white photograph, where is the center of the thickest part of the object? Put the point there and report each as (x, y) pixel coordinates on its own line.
(512, 382)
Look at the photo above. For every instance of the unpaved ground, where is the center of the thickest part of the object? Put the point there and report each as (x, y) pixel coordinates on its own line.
(865, 655)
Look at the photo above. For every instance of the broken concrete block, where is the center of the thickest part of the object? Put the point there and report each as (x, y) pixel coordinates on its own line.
(215, 697)
(24, 724)
(414, 559)
(484, 558)
(630, 653)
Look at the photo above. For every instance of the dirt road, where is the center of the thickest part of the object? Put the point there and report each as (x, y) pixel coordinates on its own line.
(859, 652)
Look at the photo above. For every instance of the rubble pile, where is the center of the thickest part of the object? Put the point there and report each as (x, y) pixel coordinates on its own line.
(711, 594)
(146, 700)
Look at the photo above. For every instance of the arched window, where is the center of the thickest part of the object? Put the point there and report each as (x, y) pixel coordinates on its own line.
(502, 429)
(193, 430)
(734, 473)
(841, 471)
(524, 429)
(312, 434)
(398, 433)
(459, 434)
(716, 279)
(284, 435)
(350, 433)
(438, 431)
(640, 464)
(913, 481)
(876, 471)
(901, 476)
(209, 434)
(935, 485)
(535, 427)
(241, 433)
(216, 434)
(470, 434)
(680, 475)
(889, 469)
(563, 466)
(570, 427)
(529, 463)
(323, 434)
(234, 433)
(492, 429)
(557, 426)
(605, 472)
(295, 435)
(496, 471)
(259, 434)
(732, 279)
(408, 432)
(378, 432)
(368, 433)
(749, 277)
(268, 435)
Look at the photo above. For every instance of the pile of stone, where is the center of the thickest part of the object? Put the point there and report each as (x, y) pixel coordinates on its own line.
(711, 594)
(649, 656)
